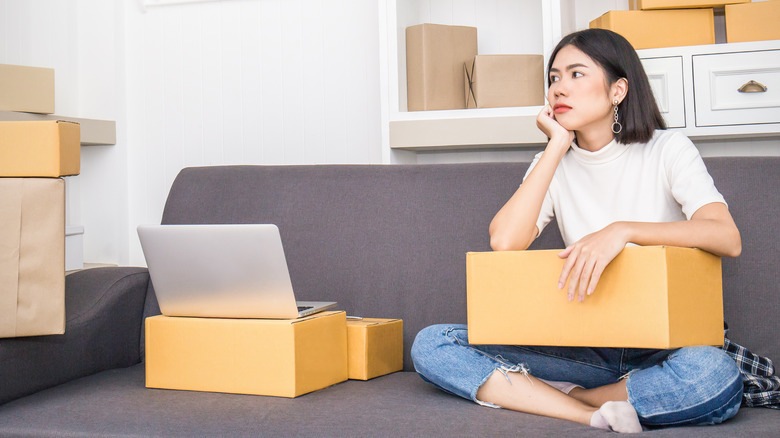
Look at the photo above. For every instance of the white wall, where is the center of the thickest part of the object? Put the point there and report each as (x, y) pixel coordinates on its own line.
(228, 82)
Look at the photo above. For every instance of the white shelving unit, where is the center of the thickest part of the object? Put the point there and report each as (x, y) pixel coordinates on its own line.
(519, 26)
(535, 26)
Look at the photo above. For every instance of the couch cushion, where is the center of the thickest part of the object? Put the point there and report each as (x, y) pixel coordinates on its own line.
(399, 405)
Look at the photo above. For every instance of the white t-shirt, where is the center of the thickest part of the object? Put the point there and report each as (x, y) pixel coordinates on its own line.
(663, 180)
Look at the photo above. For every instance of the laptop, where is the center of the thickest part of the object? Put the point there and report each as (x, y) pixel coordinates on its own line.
(222, 271)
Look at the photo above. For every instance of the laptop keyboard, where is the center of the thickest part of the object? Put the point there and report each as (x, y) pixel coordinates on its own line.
(302, 308)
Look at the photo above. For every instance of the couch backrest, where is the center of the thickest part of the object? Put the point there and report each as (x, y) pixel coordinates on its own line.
(390, 240)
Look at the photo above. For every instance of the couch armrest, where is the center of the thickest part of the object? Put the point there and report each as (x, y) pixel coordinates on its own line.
(103, 308)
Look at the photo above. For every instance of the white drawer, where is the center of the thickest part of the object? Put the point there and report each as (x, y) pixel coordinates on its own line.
(717, 80)
(666, 80)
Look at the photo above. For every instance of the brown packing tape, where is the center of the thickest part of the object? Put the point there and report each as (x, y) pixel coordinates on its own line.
(10, 233)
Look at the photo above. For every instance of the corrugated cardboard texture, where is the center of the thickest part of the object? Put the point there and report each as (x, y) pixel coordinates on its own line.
(435, 55)
(648, 297)
(753, 22)
(375, 347)
(276, 357)
(681, 27)
(50, 148)
(32, 256)
(28, 89)
(679, 4)
(495, 81)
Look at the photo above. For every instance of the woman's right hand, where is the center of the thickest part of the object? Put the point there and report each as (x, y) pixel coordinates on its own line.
(551, 128)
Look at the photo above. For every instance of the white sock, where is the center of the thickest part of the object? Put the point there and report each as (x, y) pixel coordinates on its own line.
(618, 416)
(564, 387)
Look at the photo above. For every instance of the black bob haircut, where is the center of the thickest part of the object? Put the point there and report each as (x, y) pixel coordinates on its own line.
(638, 112)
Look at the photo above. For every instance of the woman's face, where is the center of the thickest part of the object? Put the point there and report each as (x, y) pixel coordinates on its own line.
(579, 94)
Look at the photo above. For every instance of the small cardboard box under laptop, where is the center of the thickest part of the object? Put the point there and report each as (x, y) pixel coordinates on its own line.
(648, 297)
(226, 330)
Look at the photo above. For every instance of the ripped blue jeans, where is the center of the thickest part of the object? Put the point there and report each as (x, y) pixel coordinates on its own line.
(691, 385)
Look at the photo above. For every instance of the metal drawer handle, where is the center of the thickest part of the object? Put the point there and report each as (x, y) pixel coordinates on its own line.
(752, 87)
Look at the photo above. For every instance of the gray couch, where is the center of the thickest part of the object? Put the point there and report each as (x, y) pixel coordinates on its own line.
(384, 241)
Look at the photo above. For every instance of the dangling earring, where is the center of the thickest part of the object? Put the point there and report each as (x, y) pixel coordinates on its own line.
(619, 126)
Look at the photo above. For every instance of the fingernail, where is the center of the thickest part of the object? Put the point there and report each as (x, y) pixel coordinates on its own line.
(560, 285)
(571, 297)
(582, 298)
(590, 291)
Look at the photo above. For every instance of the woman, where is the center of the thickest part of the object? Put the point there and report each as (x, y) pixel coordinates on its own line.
(612, 176)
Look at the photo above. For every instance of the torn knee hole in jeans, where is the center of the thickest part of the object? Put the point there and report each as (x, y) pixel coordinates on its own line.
(505, 370)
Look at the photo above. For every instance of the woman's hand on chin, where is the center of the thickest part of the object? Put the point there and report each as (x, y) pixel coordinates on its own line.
(546, 122)
(587, 258)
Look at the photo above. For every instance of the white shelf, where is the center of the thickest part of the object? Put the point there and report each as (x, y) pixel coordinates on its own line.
(93, 132)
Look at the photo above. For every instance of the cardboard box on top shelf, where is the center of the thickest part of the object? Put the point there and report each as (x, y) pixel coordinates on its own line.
(513, 298)
(32, 256)
(435, 54)
(681, 27)
(753, 21)
(46, 148)
(26, 89)
(375, 347)
(495, 81)
(278, 357)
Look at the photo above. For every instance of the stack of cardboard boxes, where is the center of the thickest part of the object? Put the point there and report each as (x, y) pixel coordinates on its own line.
(669, 23)
(277, 357)
(442, 62)
(34, 156)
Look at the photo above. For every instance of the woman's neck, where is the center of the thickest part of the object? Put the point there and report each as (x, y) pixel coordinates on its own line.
(594, 139)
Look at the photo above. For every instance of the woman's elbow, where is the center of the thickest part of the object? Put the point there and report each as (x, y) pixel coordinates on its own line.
(734, 246)
(501, 243)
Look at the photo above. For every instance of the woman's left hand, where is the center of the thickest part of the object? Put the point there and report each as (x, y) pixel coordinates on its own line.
(587, 258)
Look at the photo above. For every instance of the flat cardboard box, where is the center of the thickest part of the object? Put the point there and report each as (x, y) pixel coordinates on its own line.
(648, 297)
(375, 347)
(32, 257)
(278, 357)
(679, 4)
(435, 54)
(662, 28)
(496, 81)
(753, 21)
(27, 89)
(47, 148)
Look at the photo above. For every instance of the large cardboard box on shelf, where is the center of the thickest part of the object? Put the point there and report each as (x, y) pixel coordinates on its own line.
(27, 89)
(278, 357)
(662, 28)
(375, 347)
(679, 4)
(47, 148)
(495, 81)
(648, 297)
(32, 256)
(435, 54)
(753, 21)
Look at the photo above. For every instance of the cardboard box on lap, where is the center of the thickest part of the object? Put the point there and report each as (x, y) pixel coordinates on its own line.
(435, 54)
(49, 148)
(663, 28)
(27, 89)
(679, 4)
(494, 81)
(648, 297)
(376, 347)
(32, 256)
(279, 357)
(753, 22)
